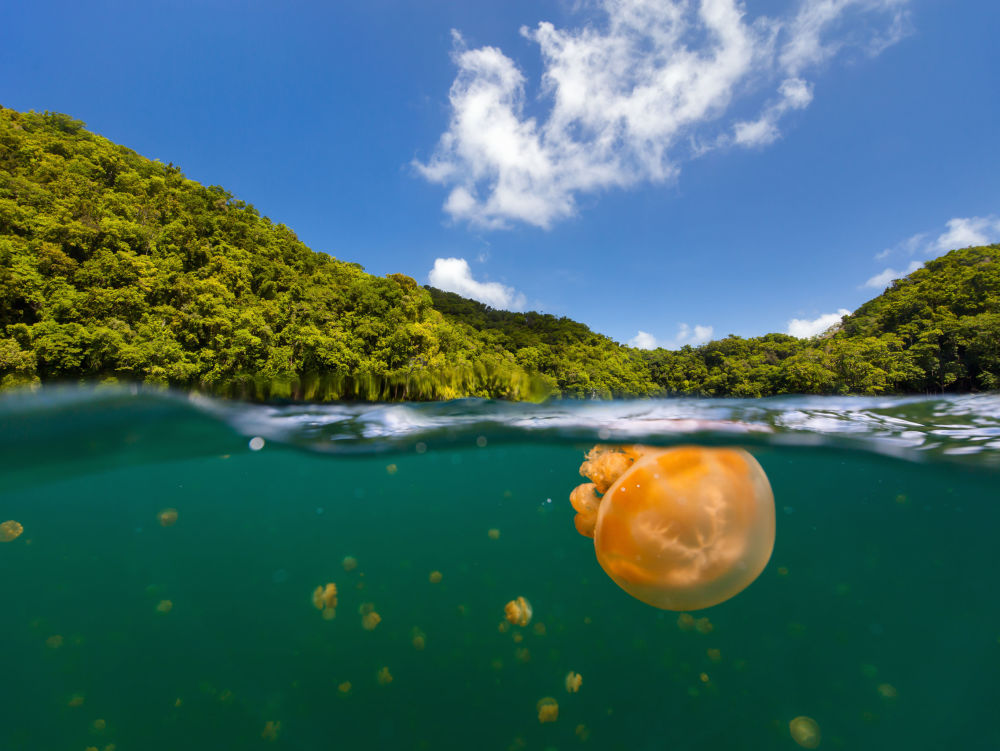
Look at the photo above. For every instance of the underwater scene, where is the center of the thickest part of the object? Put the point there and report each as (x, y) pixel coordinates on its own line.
(183, 573)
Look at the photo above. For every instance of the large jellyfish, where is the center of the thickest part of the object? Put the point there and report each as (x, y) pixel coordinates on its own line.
(680, 528)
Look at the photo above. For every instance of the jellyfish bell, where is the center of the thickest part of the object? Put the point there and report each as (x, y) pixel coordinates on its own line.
(10, 530)
(681, 528)
(805, 732)
(548, 709)
(518, 611)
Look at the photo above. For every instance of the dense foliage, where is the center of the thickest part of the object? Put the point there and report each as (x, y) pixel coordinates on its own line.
(115, 267)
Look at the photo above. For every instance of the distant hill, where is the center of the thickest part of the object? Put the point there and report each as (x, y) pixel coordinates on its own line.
(114, 267)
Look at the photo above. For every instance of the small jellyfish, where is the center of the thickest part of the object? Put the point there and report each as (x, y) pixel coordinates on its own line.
(418, 639)
(704, 626)
(548, 709)
(54, 642)
(522, 655)
(539, 629)
(685, 621)
(164, 606)
(167, 517)
(715, 655)
(518, 611)
(270, 731)
(10, 530)
(887, 691)
(349, 563)
(369, 618)
(434, 577)
(384, 677)
(805, 732)
(76, 700)
(573, 682)
(679, 529)
(391, 469)
(325, 599)
(344, 689)
(493, 534)
(582, 732)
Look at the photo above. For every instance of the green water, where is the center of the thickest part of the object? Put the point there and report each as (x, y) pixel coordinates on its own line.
(877, 615)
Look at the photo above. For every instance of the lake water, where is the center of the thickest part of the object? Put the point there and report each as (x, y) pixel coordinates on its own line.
(124, 627)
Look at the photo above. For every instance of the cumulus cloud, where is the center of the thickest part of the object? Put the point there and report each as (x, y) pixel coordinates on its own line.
(622, 99)
(968, 231)
(884, 278)
(685, 335)
(454, 275)
(960, 232)
(804, 328)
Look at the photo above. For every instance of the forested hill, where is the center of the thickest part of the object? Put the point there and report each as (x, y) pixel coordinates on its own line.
(936, 330)
(115, 267)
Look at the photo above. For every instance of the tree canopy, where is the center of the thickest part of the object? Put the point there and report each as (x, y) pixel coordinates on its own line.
(116, 267)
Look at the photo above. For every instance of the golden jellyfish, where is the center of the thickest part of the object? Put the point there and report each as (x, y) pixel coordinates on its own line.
(681, 528)
(418, 639)
(164, 606)
(887, 691)
(548, 709)
(271, 730)
(54, 642)
(10, 530)
(349, 563)
(434, 577)
(384, 677)
(493, 534)
(325, 599)
(369, 618)
(518, 611)
(167, 517)
(344, 689)
(805, 732)
(573, 681)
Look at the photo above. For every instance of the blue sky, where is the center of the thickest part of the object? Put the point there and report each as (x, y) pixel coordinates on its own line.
(681, 169)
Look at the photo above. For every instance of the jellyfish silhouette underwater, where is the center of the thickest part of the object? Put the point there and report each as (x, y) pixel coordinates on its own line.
(680, 528)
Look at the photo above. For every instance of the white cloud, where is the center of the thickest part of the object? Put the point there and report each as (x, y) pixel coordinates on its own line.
(961, 232)
(910, 246)
(685, 335)
(968, 231)
(643, 340)
(804, 328)
(795, 93)
(884, 278)
(454, 275)
(624, 95)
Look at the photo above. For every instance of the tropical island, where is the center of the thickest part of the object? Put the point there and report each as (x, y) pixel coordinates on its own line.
(117, 268)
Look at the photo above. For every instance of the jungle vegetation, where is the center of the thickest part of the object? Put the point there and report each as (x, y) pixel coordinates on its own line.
(114, 267)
